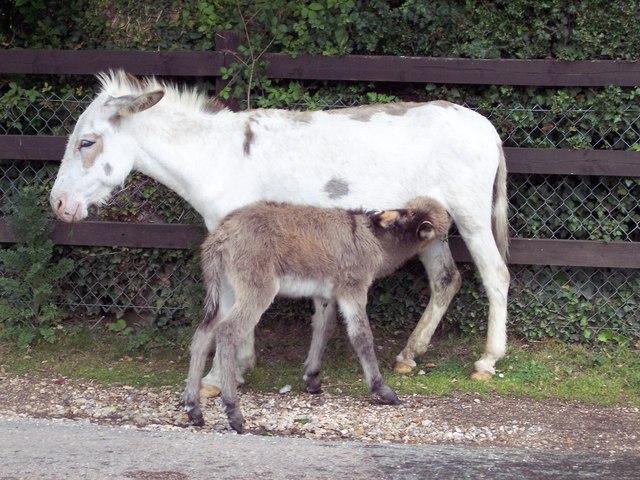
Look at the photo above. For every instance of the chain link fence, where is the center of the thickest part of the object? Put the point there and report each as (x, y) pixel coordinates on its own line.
(566, 301)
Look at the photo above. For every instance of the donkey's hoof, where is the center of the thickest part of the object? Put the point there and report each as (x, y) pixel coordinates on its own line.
(481, 375)
(402, 367)
(209, 391)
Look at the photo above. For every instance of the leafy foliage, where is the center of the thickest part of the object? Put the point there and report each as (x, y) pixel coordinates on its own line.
(500, 29)
(565, 307)
(29, 275)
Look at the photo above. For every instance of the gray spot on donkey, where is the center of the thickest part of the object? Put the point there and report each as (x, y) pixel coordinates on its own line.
(336, 188)
(266, 249)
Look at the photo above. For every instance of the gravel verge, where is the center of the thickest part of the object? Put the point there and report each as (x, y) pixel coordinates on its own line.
(463, 419)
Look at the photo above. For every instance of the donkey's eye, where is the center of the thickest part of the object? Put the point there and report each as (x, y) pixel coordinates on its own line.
(85, 144)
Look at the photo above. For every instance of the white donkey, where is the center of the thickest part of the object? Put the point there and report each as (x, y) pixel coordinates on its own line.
(372, 157)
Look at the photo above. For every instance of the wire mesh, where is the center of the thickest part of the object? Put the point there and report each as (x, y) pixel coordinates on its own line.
(541, 206)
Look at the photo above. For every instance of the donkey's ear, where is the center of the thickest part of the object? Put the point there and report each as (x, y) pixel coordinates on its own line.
(426, 231)
(129, 104)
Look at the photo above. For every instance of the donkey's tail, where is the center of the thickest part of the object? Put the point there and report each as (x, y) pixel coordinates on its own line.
(501, 207)
(211, 267)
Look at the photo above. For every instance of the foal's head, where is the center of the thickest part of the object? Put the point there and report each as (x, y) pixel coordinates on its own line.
(423, 220)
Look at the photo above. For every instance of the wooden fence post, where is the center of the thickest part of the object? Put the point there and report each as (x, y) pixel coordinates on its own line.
(227, 42)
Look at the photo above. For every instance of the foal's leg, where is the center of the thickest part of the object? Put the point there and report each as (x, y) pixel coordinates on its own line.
(444, 282)
(242, 319)
(353, 308)
(227, 340)
(245, 356)
(200, 348)
(324, 324)
(245, 360)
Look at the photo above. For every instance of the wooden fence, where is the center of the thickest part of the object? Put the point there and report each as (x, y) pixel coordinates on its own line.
(346, 68)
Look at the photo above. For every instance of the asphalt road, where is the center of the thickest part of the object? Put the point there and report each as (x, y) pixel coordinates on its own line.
(44, 449)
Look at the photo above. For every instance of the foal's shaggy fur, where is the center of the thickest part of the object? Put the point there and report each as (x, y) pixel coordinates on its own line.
(267, 249)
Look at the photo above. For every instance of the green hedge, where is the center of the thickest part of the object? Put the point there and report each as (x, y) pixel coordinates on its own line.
(587, 29)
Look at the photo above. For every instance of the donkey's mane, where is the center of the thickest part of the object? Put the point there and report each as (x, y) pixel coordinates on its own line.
(118, 83)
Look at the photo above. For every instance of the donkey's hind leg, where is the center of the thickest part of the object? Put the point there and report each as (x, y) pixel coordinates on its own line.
(324, 324)
(353, 308)
(444, 282)
(495, 278)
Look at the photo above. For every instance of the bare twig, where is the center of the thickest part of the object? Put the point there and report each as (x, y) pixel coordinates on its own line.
(251, 65)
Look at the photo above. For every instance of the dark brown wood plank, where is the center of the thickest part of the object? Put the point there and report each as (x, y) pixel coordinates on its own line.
(107, 234)
(573, 162)
(575, 253)
(5, 234)
(143, 235)
(348, 67)
(519, 160)
(583, 253)
(32, 147)
(90, 62)
(454, 70)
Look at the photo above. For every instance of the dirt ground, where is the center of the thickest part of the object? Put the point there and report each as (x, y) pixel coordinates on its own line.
(420, 419)
(465, 419)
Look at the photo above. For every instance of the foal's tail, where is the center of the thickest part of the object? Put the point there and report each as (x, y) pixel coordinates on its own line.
(501, 207)
(211, 267)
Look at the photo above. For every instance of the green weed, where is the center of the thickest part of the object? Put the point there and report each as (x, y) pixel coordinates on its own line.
(540, 370)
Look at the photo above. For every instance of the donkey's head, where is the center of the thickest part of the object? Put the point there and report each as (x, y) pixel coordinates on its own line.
(99, 153)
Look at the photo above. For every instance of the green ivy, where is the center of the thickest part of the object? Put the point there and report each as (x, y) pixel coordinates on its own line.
(153, 283)
(29, 275)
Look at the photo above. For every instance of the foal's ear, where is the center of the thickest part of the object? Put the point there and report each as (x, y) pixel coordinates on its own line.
(129, 104)
(426, 231)
(387, 218)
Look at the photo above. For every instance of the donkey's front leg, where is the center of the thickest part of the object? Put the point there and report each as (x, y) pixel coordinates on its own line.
(324, 324)
(353, 309)
(444, 283)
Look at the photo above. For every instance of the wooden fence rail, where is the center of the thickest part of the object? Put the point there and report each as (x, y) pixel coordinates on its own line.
(553, 161)
(346, 68)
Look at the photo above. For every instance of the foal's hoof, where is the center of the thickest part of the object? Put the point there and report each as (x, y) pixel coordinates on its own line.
(402, 367)
(195, 417)
(314, 390)
(238, 426)
(388, 396)
(391, 400)
(209, 391)
(481, 375)
(236, 421)
(314, 385)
